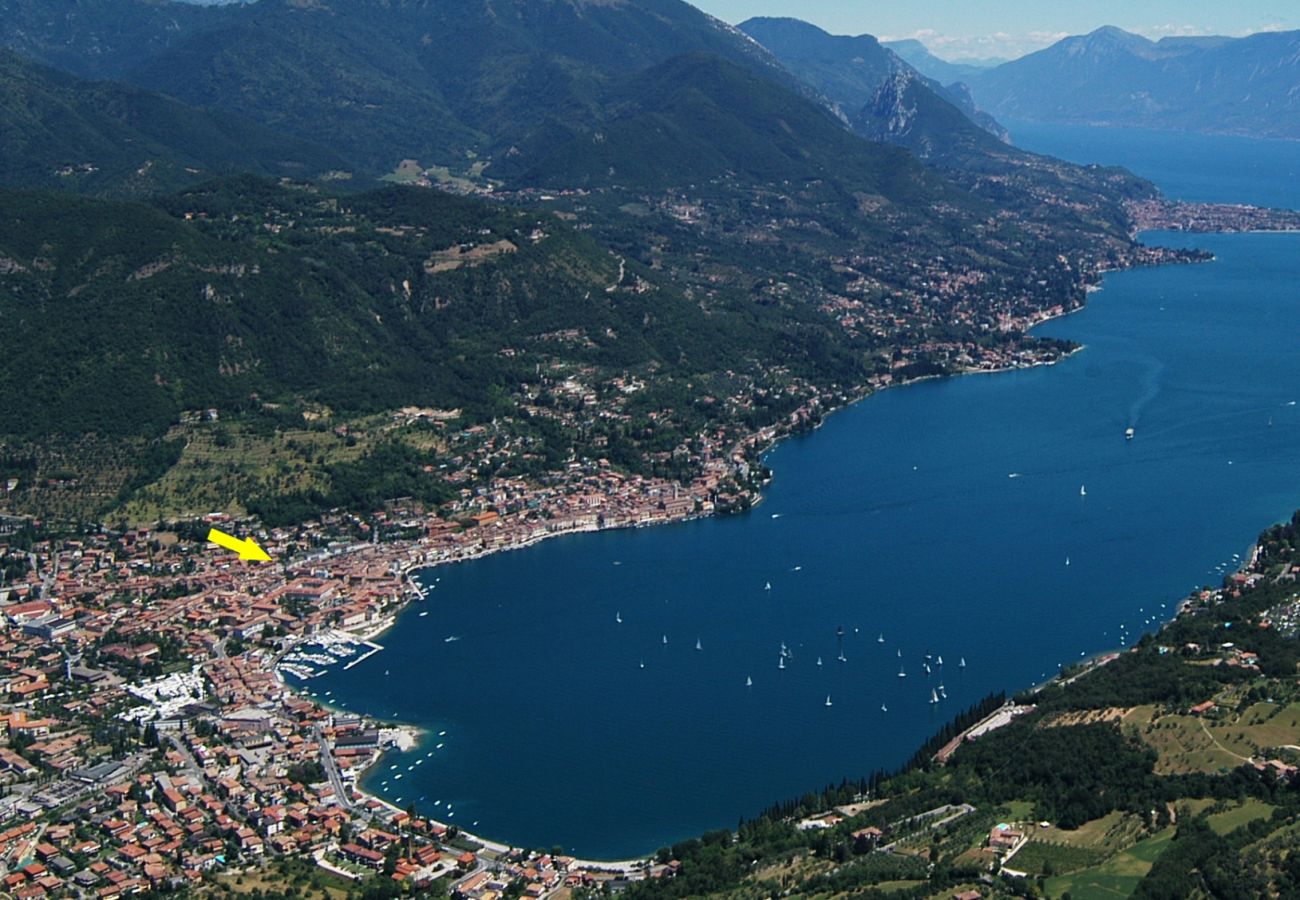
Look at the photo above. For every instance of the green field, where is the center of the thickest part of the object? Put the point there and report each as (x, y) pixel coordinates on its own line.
(1111, 833)
(1117, 876)
(1042, 858)
(1232, 819)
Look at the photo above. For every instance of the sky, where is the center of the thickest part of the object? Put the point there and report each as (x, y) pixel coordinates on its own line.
(956, 29)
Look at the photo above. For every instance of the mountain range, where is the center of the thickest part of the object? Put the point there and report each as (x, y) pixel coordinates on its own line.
(1248, 85)
(850, 72)
(704, 206)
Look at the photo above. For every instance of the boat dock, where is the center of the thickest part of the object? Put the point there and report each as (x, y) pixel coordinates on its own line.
(374, 648)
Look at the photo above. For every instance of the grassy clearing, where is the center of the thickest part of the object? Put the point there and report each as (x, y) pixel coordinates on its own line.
(1109, 834)
(1117, 876)
(1232, 819)
(408, 171)
(223, 464)
(1184, 746)
(893, 887)
(1195, 744)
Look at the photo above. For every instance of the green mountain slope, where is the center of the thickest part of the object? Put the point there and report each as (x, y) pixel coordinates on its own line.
(380, 81)
(102, 137)
(123, 315)
(698, 117)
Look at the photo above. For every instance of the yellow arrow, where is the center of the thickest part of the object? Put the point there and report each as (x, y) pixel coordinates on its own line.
(246, 549)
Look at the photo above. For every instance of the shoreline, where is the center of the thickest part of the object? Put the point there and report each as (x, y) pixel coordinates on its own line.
(409, 567)
(415, 556)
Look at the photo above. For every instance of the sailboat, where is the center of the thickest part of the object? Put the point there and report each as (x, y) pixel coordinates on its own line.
(749, 682)
(901, 673)
(881, 639)
(939, 661)
(780, 662)
(943, 695)
(900, 652)
(819, 660)
(768, 586)
(665, 640)
(643, 663)
(842, 658)
(884, 708)
(828, 699)
(698, 645)
(1067, 560)
(934, 698)
(962, 663)
(618, 617)
(1083, 491)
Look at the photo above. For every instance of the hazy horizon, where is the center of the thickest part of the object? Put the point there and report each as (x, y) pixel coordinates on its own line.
(971, 30)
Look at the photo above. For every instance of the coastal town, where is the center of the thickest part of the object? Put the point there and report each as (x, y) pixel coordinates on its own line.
(155, 742)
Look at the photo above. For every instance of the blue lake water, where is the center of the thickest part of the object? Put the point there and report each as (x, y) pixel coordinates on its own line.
(898, 517)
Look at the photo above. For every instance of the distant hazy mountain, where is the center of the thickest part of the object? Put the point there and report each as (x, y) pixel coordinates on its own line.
(879, 94)
(1247, 85)
(918, 56)
(107, 138)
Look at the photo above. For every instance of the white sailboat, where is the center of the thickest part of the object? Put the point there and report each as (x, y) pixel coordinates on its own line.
(618, 617)
(749, 682)
(884, 708)
(643, 663)
(665, 640)
(780, 664)
(901, 673)
(939, 661)
(881, 639)
(934, 698)
(828, 699)
(698, 645)
(768, 586)
(819, 660)
(1083, 491)
(962, 663)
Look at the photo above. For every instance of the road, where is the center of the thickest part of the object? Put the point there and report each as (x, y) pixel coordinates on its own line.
(332, 770)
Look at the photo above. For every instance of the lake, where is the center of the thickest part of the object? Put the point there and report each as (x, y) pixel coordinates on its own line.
(1000, 519)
